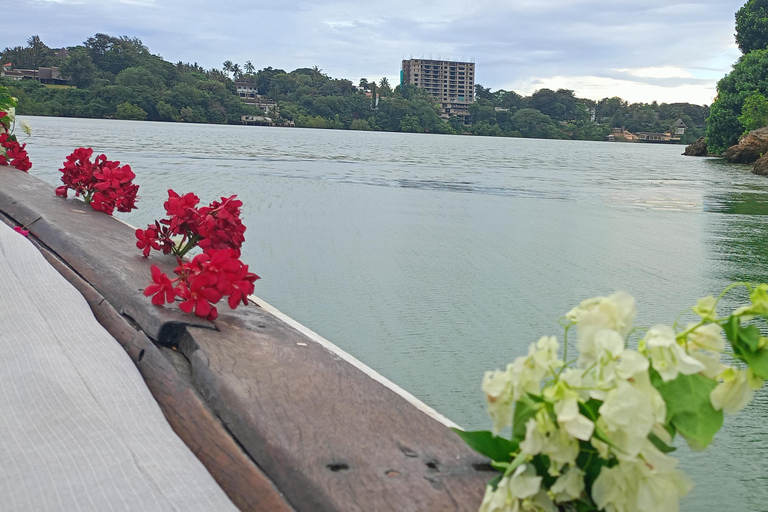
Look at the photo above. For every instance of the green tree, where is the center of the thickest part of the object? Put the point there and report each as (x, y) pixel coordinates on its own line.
(752, 26)
(754, 113)
(749, 76)
(79, 68)
(483, 92)
(130, 111)
(248, 67)
(533, 123)
(167, 112)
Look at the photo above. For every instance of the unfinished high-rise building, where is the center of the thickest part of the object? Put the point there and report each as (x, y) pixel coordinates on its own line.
(451, 83)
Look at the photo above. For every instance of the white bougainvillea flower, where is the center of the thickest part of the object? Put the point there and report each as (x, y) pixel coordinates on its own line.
(667, 357)
(497, 386)
(524, 483)
(626, 417)
(571, 420)
(499, 500)
(519, 492)
(535, 437)
(569, 486)
(602, 376)
(630, 364)
(707, 337)
(527, 373)
(736, 389)
(614, 312)
(634, 486)
(705, 308)
(642, 382)
(543, 436)
(545, 352)
(562, 450)
(602, 346)
(541, 502)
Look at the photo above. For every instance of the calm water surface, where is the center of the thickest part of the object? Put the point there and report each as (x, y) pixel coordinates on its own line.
(434, 258)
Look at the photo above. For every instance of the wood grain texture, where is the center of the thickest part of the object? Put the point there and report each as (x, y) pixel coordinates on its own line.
(329, 437)
(326, 434)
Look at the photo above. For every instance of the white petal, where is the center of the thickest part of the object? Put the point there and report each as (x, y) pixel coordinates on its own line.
(631, 363)
(686, 364)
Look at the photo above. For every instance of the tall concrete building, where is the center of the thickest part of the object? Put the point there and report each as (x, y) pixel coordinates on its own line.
(452, 83)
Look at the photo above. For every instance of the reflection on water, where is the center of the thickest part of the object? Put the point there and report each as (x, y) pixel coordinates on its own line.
(434, 258)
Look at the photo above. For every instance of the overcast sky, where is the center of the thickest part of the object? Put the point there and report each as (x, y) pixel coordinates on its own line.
(640, 50)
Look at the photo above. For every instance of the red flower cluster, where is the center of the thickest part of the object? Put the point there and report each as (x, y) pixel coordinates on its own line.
(103, 184)
(204, 281)
(12, 152)
(213, 227)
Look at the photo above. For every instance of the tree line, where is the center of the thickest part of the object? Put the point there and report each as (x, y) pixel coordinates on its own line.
(741, 104)
(118, 77)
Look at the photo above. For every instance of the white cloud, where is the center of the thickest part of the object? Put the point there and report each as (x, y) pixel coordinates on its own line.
(657, 72)
(597, 87)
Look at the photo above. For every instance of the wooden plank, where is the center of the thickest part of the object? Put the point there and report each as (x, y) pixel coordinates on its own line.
(330, 437)
(191, 419)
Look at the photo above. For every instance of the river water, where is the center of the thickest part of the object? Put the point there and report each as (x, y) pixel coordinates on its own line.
(434, 258)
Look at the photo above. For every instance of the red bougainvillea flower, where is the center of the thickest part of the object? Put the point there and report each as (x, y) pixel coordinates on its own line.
(220, 226)
(21, 231)
(213, 227)
(147, 240)
(198, 294)
(181, 212)
(203, 281)
(12, 153)
(242, 286)
(104, 184)
(161, 288)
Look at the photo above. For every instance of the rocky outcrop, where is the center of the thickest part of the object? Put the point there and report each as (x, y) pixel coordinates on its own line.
(698, 148)
(750, 147)
(761, 166)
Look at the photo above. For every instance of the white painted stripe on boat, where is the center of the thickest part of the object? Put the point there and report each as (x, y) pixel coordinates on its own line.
(370, 372)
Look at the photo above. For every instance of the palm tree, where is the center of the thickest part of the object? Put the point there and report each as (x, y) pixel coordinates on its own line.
(37, 46)
(236, 71)
(384, 83)
(227, 66)
(249, 67)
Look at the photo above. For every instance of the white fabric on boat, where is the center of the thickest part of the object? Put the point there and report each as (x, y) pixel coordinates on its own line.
(79, 430)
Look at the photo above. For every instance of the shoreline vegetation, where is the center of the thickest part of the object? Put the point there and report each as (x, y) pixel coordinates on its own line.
(118, 77)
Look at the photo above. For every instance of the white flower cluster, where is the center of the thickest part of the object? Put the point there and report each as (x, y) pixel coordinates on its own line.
(601, 429)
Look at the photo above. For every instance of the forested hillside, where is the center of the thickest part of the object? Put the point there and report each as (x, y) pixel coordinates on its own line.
(118, 77)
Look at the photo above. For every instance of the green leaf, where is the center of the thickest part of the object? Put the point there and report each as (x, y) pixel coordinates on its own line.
(661, 445)
(582, 506)
(495, 448)
(731, 328)
(750, 335)
(758, 361)
(671, 429)
(590, 408)
(689, 409)
(494, 484)
(525, 409)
